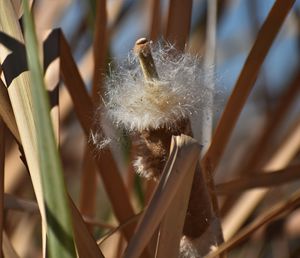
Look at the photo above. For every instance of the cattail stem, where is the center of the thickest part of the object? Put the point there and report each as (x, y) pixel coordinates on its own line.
(143, 51)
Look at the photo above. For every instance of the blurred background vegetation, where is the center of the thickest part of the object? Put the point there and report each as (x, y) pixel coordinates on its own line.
(99, 38)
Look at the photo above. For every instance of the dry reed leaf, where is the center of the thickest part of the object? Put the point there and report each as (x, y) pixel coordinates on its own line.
(89, 175)
(178, 30)
(260, 179)
(85, 243)
(248, 201)
(19, 91)
(84, 109)
(6, 112)
(265, 218)
(183, 158)
(82, 103)
(245, 82)
(7, 248)
(88, 189)
(85, 68)
(169, 236)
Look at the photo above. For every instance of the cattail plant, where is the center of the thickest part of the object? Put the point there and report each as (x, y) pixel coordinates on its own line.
(152, 96)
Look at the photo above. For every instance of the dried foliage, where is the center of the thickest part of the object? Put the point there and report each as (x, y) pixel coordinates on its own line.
(77, 120)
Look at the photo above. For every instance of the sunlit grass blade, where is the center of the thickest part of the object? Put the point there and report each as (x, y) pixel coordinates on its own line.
(60, 231)
(19, 93)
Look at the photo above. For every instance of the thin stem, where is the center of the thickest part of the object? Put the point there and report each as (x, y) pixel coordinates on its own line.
(143, 51)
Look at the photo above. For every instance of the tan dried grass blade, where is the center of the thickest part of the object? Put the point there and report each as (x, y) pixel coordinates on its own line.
(245, 82)
(178, 29)
(260, 179)
(182, 160)
(248, 201)
(265, 218)
(169, 234)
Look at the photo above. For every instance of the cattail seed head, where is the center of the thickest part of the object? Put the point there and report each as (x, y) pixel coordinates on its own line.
(152, 95)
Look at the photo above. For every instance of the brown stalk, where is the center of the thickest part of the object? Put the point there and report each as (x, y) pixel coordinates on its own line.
(155, 22)
(88, 189)
(245, 82)
(260, 179)
(89, 175)
(178, 30)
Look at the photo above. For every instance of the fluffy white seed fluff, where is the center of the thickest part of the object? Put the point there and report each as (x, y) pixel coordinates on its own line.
(136, 105)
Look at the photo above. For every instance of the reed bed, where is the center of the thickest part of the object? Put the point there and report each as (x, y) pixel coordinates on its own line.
(122, 135)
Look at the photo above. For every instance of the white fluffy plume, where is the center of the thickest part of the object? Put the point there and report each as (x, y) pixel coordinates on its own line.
(135, 104)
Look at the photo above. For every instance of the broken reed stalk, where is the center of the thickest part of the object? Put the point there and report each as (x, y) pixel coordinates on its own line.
(153, 147)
